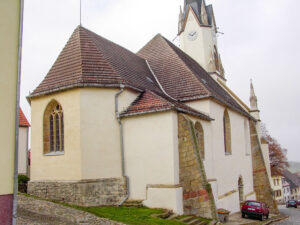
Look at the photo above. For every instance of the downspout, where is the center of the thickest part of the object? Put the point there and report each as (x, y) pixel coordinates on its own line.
(15, 193)
(121, 142)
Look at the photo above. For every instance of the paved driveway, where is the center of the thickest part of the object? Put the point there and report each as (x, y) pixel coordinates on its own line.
(294, 216)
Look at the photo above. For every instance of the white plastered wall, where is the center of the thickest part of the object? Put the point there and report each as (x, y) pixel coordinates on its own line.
(23, 150)
(223, 171)
(100, 131)
(152, 160)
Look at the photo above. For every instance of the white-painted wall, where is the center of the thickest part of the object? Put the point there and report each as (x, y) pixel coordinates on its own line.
(23, 150)
(100, 132)
(151, 158)
(226, 169)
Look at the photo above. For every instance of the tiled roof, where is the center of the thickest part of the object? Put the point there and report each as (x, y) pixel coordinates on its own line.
(181, 76)
(90, 60)
(292, 179)
(149, 102)
(23, 122)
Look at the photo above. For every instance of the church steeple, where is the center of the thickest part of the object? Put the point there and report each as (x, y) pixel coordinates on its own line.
(253, 98)
(198, 36)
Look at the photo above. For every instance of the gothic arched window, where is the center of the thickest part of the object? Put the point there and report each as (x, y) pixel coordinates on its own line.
(227, 132)
(53, 128)
(200, 139)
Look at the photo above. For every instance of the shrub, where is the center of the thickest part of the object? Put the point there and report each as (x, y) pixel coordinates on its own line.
(22, 183)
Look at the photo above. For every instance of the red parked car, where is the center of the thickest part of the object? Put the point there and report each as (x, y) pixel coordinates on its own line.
(255, 209)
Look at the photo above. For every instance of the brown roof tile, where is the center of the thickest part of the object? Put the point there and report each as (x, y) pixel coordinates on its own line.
(23, 122)
(149, 102)
(181, 76)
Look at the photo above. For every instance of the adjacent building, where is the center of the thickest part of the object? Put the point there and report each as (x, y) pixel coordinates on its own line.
(286, 190)
(277, 187)
(294, 182)
(23, 144)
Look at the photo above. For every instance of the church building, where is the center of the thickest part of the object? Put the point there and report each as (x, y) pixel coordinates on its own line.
(159, 127)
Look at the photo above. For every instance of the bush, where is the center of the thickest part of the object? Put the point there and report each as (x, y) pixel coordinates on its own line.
(22, 183)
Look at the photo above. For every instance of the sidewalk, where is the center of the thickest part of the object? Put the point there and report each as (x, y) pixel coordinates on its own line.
(236, 219)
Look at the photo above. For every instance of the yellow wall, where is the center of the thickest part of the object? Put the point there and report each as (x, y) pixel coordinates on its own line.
(151, 151)
(9, 39)
(62, 167)
(100, 132)
(92, 141)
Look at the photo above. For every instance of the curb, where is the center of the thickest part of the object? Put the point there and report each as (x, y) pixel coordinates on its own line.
(276, 220)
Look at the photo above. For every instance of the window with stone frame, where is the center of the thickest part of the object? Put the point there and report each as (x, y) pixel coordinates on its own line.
(227, 132)
(53, 129)
(200, 139)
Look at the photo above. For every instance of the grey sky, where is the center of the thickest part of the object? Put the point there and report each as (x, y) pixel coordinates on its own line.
(261, 42)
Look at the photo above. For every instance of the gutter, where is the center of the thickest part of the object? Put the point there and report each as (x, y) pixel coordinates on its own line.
(121, 142)
(15, 193)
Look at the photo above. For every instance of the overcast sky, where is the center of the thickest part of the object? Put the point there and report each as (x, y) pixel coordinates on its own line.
(260, 41)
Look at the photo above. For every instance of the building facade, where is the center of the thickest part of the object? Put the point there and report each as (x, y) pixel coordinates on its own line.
(157, 127)
(286, 190)
(23, 144)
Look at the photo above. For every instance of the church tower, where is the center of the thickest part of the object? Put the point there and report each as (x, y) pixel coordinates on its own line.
(197, 32)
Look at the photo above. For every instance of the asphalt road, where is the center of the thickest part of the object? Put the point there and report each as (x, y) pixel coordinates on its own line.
(294, 216)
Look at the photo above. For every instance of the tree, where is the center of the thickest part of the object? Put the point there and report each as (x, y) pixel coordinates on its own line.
(277, 154)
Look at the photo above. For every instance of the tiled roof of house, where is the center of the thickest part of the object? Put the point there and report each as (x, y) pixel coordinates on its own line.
(292, 179)
(90, 60)
(148, 102)
(23, 122)
(181, 76)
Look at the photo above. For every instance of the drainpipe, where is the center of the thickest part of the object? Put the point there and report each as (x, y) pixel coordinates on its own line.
(121, 142)
(15, 193)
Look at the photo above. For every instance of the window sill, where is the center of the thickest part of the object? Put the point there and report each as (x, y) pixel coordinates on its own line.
(228, 153)
(54, 154)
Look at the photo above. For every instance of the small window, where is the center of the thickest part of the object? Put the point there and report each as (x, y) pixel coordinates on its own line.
(53, 128)
(227, 132)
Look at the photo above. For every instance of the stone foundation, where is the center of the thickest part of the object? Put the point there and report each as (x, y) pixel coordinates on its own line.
(197, 194)
(100, 192)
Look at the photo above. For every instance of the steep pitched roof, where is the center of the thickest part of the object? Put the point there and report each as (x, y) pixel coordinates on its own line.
(90, 60)
(196, 5)
(181, 76)
(23, 122)
(148, 102)
(292, 179)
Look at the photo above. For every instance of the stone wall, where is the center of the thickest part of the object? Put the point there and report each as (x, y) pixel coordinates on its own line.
(84, 193)
(197, 194)
(261, 182)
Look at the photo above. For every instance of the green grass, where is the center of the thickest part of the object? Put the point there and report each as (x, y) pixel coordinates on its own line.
(129, 215)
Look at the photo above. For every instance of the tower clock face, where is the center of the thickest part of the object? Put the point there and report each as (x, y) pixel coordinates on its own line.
(192, 35)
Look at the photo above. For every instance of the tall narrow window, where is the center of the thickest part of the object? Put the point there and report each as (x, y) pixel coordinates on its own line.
(227, 132)
(200, 139)
(53, 128)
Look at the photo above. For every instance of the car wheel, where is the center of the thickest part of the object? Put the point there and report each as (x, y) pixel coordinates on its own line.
(243, 215)
(267, 216)
(261, 217)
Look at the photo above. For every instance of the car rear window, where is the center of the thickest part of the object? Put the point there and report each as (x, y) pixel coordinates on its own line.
(254, 204)
(292, 201)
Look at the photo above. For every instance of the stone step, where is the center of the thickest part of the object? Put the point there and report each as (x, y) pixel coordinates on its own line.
(133, 204)
(187, 219)
(193, 222)
(172, 217)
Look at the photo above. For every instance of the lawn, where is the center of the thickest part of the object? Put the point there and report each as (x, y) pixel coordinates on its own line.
(129, 215)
